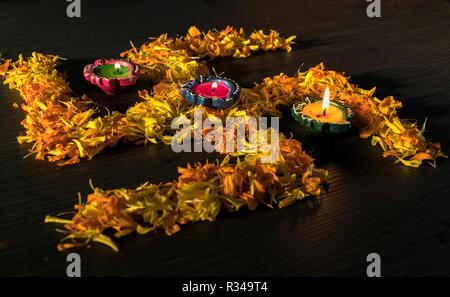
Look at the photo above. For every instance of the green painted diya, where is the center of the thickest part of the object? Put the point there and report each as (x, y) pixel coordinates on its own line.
(322, 118)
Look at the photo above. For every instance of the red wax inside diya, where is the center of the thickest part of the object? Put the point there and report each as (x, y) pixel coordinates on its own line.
(212, 89)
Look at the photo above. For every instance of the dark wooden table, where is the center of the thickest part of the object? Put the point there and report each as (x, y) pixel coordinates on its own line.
(373, 205)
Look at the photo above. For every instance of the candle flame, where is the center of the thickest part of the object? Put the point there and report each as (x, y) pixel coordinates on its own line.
(117, 67)
(214, 86)
(326, 101)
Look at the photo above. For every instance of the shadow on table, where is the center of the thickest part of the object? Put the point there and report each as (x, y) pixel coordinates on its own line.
(302, 44)
(120, 102)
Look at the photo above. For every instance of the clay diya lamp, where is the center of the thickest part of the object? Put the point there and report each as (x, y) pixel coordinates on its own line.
(323, 116)
(112, 76)
(211, 91)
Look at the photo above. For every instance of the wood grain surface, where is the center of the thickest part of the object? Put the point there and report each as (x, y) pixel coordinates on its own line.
(373, 205)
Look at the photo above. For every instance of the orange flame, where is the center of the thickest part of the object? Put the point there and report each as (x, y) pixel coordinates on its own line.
(326, 101)
(214, 86)
(117, 67)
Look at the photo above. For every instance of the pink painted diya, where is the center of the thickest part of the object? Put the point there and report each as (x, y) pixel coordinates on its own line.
(112, 76)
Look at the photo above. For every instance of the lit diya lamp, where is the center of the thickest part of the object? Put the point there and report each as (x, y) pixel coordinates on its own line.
(211, 91)
(112, 76)
(323, 116)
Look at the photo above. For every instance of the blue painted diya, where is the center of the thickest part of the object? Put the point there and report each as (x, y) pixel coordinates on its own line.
(211, 91)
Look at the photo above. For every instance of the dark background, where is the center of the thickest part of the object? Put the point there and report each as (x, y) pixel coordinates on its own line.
(373, 205)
